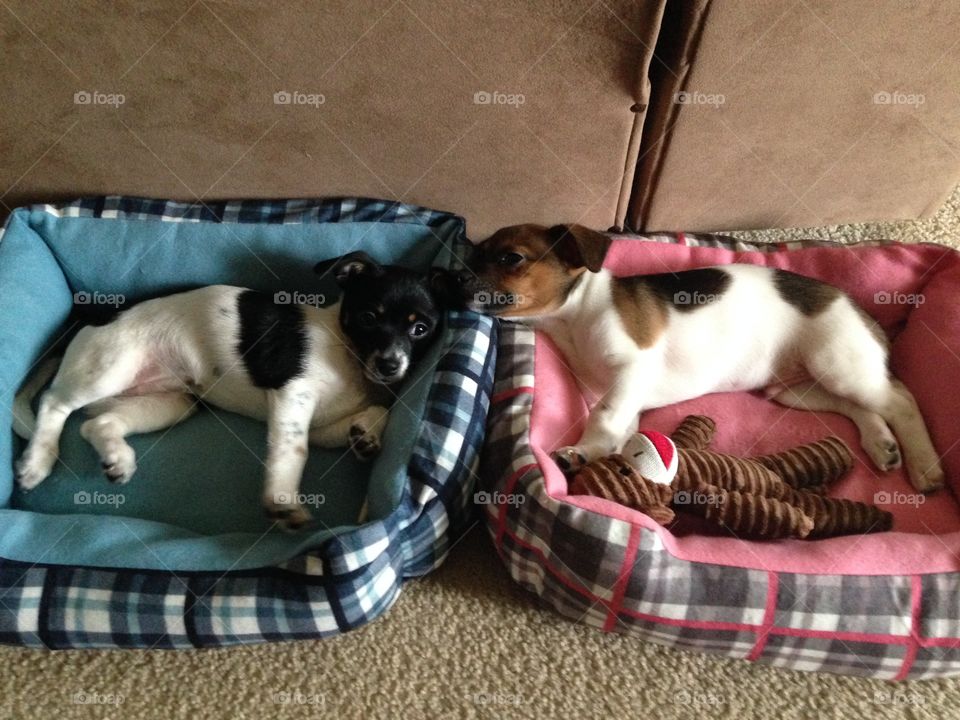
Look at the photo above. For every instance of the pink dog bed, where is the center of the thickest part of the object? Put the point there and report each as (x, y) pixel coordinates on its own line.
(884, 605)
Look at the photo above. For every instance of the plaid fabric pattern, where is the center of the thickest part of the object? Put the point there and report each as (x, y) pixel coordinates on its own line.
(251, 211)
(348, 581)
(619, 577)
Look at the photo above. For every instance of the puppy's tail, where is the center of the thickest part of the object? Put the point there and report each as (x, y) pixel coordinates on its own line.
(24, 420)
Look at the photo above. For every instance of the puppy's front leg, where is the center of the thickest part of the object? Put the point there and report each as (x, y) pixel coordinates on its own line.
(611, 420)
(361, 432)
(289, 412)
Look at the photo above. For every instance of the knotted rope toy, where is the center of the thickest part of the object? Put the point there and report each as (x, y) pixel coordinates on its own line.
(763, 497)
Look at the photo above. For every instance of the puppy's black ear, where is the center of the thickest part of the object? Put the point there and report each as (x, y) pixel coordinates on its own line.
(348, 267)
(578, 247)
(446, 286)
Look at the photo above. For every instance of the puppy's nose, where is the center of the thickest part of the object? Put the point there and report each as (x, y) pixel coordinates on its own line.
(465, 284)
(388, 365)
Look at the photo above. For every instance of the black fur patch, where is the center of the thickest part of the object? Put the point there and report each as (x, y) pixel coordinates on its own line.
(273, 341)
(807, 295)
(690, 289)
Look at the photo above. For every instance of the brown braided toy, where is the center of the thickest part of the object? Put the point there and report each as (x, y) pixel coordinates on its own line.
(755, 516)
(694, 432)
(805, 466)
(808, 467)
(768, 497)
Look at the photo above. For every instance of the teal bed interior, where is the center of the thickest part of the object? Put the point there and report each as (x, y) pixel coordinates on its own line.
(194, 503)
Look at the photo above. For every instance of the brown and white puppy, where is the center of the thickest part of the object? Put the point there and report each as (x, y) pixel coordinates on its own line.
(642, 342)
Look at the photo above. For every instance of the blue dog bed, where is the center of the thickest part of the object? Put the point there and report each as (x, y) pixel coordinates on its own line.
(182, 555)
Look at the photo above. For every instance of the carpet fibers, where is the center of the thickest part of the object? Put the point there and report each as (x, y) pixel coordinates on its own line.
(467, 643)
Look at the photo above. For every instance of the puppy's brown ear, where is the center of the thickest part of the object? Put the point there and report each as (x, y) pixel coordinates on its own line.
(578, 247)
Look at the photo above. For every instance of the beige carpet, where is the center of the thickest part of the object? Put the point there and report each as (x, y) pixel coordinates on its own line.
(466, 643)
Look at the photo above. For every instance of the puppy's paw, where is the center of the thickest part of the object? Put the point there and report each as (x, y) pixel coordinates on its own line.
(33, 469)
(885, 452)
(569, 459)
(119, 464)
(289, 514)
(364, 443)
(929, 479)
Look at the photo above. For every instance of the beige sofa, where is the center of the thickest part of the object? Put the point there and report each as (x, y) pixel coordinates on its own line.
(502, 111)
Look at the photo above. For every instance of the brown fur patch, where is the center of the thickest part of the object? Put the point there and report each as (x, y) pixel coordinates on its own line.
(644, 314)
(579, 247)
(540, 284)
(811, 297)
(642, 300)
(541, 288)
(789, 369)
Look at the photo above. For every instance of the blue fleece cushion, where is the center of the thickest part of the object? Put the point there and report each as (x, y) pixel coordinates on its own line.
(194, 503)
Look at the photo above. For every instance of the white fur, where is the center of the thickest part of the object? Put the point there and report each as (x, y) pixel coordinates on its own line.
(149, 368)
(749, 338)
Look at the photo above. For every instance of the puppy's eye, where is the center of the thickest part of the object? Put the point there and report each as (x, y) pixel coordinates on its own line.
(418, 330)
(367, 319)
(510, 259)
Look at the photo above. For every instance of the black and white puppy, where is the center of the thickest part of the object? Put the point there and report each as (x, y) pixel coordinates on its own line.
(315, 375)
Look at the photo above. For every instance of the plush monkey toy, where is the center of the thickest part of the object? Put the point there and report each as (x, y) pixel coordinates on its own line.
(764, 497)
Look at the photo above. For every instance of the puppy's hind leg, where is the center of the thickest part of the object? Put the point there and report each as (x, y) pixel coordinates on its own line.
(853, 365)
(922, 460)
(92, 369)
(112, 420)
(897, 406)
(875, 436)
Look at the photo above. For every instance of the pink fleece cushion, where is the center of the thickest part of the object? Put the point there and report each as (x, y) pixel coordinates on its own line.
(925, 356)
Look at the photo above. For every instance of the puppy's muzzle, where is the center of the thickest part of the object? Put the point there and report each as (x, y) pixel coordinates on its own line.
(467, 289)
(386, 368)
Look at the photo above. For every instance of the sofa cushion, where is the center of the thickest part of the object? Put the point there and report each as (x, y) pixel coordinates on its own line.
(775, 116)
(504, 112)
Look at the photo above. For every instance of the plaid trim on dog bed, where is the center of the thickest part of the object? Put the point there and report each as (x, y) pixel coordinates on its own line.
(288, 212)
(349, 580)
(618, 577)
